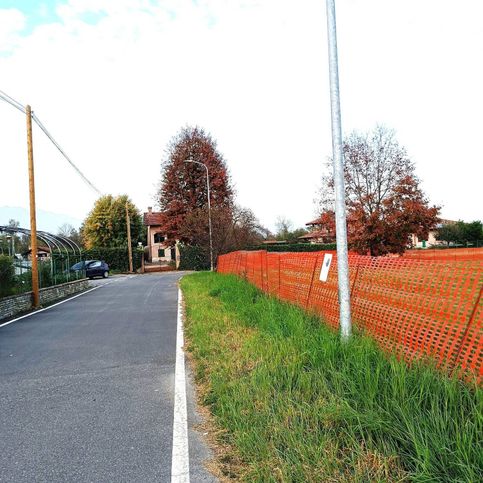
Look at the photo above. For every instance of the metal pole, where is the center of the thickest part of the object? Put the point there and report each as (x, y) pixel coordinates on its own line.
(129, 248)
(340, 207)
(33, 221)
(209, 218)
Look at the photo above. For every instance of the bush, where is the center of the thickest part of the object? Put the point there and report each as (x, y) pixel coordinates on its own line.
(193, 258)
(45, 274)
(7, 275)
(295, 247)
(116, 258)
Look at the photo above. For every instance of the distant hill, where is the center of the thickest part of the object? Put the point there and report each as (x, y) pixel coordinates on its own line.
(46, 220)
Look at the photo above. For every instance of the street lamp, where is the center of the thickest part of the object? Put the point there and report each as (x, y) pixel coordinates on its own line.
(338, 161)
(209, 207)
(9, 240)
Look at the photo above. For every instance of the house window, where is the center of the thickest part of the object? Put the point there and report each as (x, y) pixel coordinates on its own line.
(161, 253)
(158, 238)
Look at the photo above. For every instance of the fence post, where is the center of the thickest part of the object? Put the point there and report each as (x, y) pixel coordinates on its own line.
(311, 281)
(465, 335)
(355, 280)
(261, 272)
(279, 255)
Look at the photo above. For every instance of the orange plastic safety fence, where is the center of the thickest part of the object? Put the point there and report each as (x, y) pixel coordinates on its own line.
(446, 254)
(411, 306)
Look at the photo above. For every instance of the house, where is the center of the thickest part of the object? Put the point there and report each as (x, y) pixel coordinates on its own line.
(321, 230)
(431, 240)
(158, 250)
(274, 242)
(43, 253)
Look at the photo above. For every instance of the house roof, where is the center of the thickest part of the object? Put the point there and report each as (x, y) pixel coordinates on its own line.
(154, 218)
(39, 249)
(314, 234)
(321, 220)
(274, 242)
(313, 222)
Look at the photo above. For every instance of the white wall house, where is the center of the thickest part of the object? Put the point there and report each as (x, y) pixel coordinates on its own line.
(159, 251)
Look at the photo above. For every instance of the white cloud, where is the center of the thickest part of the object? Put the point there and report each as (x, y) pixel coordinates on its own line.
(113, 90)
(12, 22)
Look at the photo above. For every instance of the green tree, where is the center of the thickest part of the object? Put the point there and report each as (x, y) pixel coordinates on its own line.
(7, 275)
(68, 231)
(105, 225)
(473, 231)
(286, 232)
(460, 232)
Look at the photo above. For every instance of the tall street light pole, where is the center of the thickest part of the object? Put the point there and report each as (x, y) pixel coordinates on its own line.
(209, 207)
(338, 160)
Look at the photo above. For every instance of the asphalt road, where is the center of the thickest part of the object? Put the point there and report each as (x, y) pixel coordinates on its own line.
(87, 388)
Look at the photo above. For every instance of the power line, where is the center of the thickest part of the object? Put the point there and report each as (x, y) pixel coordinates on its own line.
(20, 107)
(12, 101)
(54, 142)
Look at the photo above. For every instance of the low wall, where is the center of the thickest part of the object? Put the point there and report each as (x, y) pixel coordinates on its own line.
(15, 304)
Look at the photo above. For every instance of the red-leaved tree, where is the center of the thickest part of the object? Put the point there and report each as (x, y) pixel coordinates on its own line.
(234, 228)
(385, 204)
(183, 189)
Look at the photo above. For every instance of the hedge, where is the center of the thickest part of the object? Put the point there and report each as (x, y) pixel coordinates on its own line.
(7, 275)
(116, 258)
(193, 258)
(295, 247)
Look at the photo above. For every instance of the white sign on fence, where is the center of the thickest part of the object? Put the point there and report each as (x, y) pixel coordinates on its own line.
(324, 273)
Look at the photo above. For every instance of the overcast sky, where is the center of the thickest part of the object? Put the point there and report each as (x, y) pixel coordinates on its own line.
(114, 80)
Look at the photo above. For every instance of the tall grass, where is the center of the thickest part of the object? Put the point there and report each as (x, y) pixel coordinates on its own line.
(299, 405)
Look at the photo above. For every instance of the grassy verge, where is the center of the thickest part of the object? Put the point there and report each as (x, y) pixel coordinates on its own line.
(292, 403)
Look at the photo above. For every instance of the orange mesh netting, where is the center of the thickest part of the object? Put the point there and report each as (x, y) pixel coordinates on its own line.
(415, 307)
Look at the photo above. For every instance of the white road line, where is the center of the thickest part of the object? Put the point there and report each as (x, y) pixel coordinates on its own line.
(53, 305)
(180, 467)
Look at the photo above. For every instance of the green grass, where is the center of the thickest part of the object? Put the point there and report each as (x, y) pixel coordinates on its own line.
(294, 404)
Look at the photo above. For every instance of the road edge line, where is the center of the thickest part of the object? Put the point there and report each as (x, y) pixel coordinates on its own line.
(53, 305)
(180, 472)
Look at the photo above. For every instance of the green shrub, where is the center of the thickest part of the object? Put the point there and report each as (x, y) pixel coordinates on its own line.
(295, 247)
(116, 258)
(45, 274)
(7, 275)
(193, 258)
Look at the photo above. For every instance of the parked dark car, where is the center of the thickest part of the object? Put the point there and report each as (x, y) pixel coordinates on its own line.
(93, 268)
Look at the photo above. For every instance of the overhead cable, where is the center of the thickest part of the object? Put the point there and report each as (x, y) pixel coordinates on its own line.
(21, 108)
(12, 101)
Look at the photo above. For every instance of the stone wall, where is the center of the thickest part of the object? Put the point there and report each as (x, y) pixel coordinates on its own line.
(15, 304)
(10, 306)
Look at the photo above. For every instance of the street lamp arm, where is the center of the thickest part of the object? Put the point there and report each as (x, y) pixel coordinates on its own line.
(198, 162)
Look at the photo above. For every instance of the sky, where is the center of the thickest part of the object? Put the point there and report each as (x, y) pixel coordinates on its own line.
(114, 80)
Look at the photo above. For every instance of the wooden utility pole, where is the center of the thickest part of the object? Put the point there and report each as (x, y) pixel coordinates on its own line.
(33, 221)
(129, 248)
